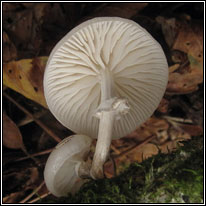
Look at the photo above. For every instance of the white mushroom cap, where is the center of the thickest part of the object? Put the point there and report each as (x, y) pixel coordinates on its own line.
(61, 170)
(135, 61)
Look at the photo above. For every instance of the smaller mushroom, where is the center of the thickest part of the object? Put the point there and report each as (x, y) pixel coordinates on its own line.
(62, 168)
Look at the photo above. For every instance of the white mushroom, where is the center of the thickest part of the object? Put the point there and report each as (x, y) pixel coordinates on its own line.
(103, 79)
(61, 171)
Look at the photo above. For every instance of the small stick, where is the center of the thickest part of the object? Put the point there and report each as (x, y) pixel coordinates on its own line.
(35, 155)
(136, 146)
(178, 119)
(40, 197)
(115, 149)
(30, 156)
(28, 120)
(34, 192)
(44, 127)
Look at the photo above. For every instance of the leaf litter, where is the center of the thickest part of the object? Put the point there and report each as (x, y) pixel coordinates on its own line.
(28, 38)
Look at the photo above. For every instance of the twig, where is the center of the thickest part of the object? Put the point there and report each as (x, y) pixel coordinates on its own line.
(114, 166)
(136, 146)
(28, 120)
(40, 197)
(33, 193)
(178, 119)
(44, 127)
(115, 149)
(35, 155)
(29, 156)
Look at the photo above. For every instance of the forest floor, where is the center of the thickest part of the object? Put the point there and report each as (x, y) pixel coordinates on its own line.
(154, 164)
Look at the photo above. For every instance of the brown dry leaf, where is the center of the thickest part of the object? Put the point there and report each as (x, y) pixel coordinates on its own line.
(124, 10)
(39, 11)
(168, 146)
(137, 155)
(184, 83)
(190, 40)
(19, 25)
(9, 50)
(26, 77)
(12, 137)
(10, 7)
(151, 127)
(176, 136)
(185, 38)
(192, 130)
(163, 106)
(169, 29)
(168, 138)
(24, 26)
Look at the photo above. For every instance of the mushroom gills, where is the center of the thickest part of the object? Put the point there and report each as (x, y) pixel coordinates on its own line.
(61, 170)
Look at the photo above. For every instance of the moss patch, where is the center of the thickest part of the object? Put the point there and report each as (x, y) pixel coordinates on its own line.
(173, 178)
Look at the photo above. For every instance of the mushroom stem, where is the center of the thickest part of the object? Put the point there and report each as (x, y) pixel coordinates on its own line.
(103, 144)
(110, 109)
(107, 85)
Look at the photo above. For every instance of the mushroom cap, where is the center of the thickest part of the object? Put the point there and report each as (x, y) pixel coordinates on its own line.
(133, 58)
(60, 170)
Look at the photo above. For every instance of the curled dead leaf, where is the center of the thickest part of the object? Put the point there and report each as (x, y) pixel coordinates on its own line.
(12, 137)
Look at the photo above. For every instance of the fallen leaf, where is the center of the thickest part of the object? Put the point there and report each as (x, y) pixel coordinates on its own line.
(10, 7)
(190, 40)
(163, 106)
(168, 147)
(169, 29)
(20, 26)
(193, 130)
(124, 10)
(138, 155)
(9, 50)
(179, 57)
(177, 134)
(12, 137)
(185, 38)
(184, 83)
(153, 126)
(26, 77)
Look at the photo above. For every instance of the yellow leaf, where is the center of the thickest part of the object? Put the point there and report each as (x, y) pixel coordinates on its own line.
(26, 77)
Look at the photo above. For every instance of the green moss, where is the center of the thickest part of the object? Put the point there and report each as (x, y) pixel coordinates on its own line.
(171, 178)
